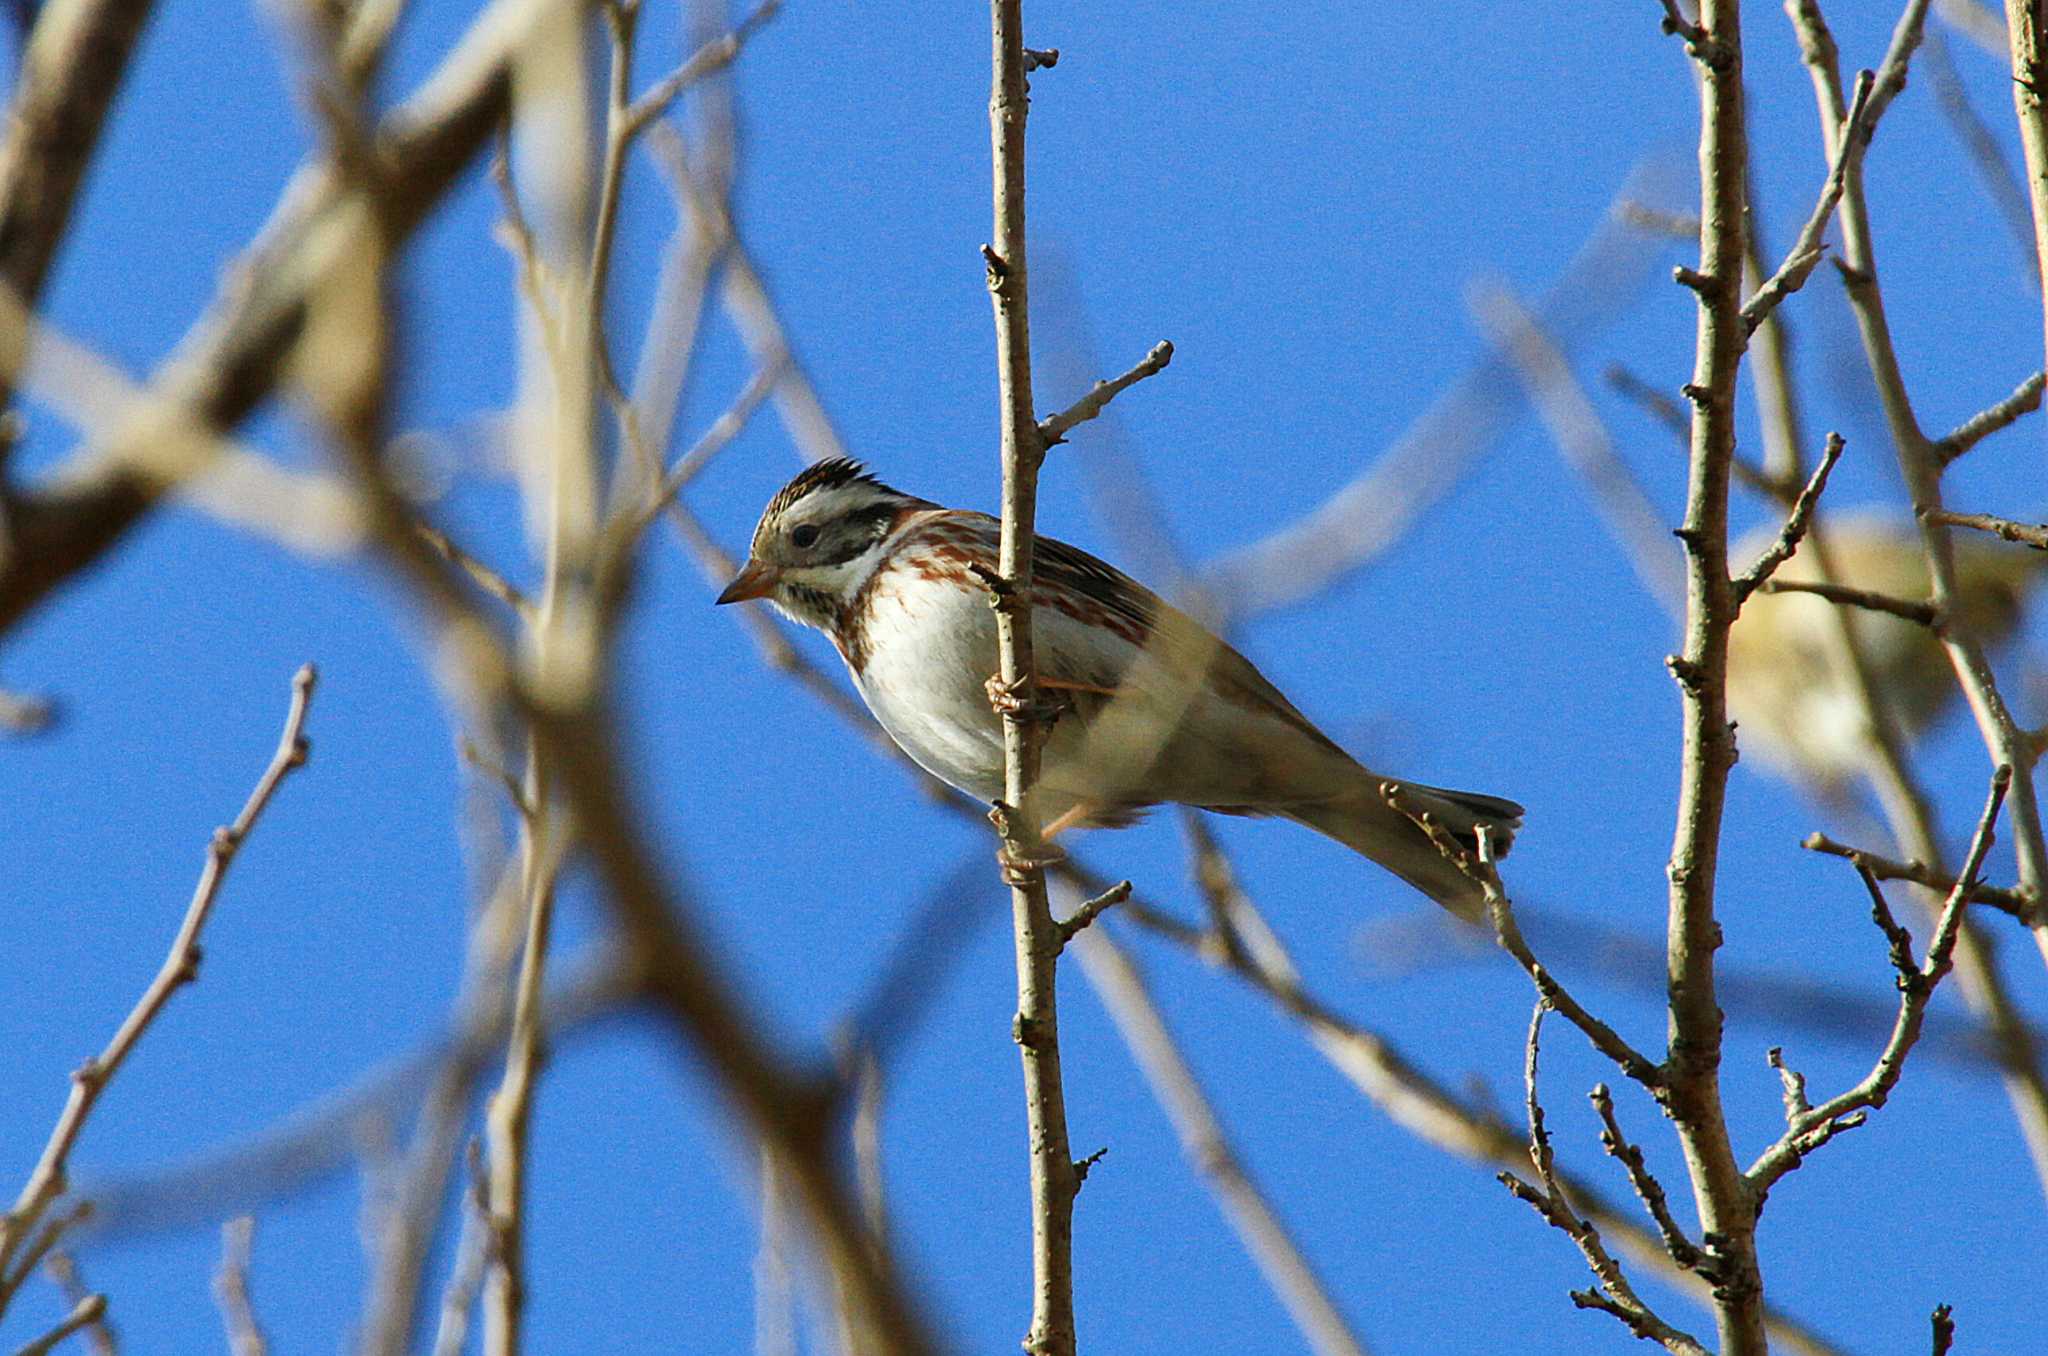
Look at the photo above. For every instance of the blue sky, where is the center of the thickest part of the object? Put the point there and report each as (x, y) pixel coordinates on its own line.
(1298, 197)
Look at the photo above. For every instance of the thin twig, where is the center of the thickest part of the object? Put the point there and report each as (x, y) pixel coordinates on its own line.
(1797, 520)
(1812, 1127)
(1647, 1188)
(1807, 249)
(1071, 926)
(1615, 1296)
(1919, 873)
(99, 1334)
(1054, 430)
(2024, 400)
(1905, 609)
(180, 967)
(2025, 534)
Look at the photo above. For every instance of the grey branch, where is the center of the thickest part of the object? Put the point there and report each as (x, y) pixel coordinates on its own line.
(2025, 534)
(1054, 430)
(1807, 250)
(2024, 400)
(1920, 873)
(1797, 520)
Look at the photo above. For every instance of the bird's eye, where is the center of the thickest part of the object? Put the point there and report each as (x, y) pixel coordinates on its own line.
(804, 534)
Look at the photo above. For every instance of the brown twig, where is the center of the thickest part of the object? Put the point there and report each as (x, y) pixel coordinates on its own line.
(1905, 609)
(1648, 1189)
(1024, 719)
(1054, 429)
(1919, 873)
(2026, 30)
(1807, 249)
(1615, 1296)
(84, 1314)
(1690, 1076)
(71, 67)
(1797, 520)
(99, 1334)
(2025, 534)
(181, 966)
(1812, 1126)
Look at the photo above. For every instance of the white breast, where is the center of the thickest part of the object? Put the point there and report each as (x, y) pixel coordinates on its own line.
(931, 647)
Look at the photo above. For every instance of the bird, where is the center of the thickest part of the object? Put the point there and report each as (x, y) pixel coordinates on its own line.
(1150, 706)
(1791, 706)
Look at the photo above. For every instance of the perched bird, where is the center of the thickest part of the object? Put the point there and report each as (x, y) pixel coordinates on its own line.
(1152, 708)
(1793, 709)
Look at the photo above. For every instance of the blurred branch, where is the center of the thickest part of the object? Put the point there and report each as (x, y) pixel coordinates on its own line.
(87, 1312)
(231, 360)
(72, 66)
(2001, 184)
(1206, 1145)
(181, 966)
(1364, 516)
(231, 1289)
(1582, 439)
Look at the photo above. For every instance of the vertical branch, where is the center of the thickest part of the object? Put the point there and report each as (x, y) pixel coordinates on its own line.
(1015, 692)
(2026, 27)
(1693, 1092)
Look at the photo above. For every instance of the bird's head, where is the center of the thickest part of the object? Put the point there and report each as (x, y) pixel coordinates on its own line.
(819, 539)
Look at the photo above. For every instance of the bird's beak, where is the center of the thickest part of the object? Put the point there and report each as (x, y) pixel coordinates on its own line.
(756, 581)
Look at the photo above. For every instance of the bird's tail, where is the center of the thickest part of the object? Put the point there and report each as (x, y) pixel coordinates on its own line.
(1364, 822)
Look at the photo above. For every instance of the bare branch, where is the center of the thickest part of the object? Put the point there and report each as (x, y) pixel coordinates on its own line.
(1796, 522)
(1616, 1295)
(87, 1312)
(2025, 534)
(1811, 1127)
(1807, 249)
(1920, 873)
(48, 1180)
(231, 1290)
(1905, 609)
(2024, 400)
(1647, 1188)
(1053, 430)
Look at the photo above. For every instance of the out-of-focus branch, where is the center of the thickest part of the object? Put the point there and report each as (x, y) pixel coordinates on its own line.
(73, 65)
(87, 1312)
(2001, 183)
(1581, 437)
(233, 358)
(1364, 516)
(1207, 1148)
(231, 1290)
(181, 966)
